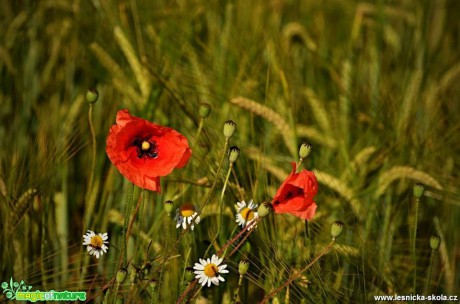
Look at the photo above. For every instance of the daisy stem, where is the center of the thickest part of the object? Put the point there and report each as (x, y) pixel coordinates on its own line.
(297, 275)
(417, 202)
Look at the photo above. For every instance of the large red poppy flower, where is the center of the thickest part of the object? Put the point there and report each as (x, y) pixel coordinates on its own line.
(143, 151)
(296, 194)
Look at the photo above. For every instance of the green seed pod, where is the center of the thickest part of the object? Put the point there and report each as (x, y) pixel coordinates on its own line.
(169, 206)
(304, 150)
(205, 110)
(418, 190)
(336, 229)
(229, 128)
(435, 241)
(243, 267)
(233, 154)
(189, 274)
(121, 275)
(153, 284)
(264, 209)
(92, 95)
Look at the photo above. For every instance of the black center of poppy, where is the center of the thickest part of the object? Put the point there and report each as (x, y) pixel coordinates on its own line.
(146, 148)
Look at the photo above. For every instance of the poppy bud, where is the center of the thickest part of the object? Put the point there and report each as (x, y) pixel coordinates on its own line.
(243, 267)
(121, 275)
(169, 206)
(189, 274)
(435, 241)
(264, 209)
(92, 95)
(336, 229)
(229, 128)
(418, 190)
(233, 154)
(153, 284)
(205, 110)
(304, 150)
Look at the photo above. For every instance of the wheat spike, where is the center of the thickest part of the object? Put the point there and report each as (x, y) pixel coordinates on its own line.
(345, 250)
(142, 77)
(256, 154)
(270, 116)
(342, 189)
(120, 81)
(319, 111)
(20, 208)
(316, 136)
(398, 172)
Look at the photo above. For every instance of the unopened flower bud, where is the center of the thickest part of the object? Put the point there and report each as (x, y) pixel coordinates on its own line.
(121, 275)
(153, 283)
(336, 229)
(243, 267)
(189, 274)
(229, 128)
(205, 110)
(435, 241)
(418, 190)
(92, 95)
(169, 206)
(233, 154)
(264, 209)
(304, 150)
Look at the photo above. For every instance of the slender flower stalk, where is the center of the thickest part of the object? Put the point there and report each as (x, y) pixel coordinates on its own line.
(418, 192)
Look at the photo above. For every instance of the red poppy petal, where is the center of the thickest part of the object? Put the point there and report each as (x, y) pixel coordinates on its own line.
(123, 117)
(307, 214)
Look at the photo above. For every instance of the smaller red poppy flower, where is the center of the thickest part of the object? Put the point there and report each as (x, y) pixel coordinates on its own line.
(295, 195)
(143, 151)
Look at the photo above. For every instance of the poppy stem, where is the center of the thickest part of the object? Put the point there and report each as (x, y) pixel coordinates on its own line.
(414, 256)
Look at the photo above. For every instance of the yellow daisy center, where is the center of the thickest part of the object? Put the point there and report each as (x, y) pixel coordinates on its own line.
(211, 270)
(187, 210)
(247, 214)
(96, 242)
(145, 145)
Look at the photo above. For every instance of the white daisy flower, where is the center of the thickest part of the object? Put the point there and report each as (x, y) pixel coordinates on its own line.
(96, 243)
(185, 215)
(208, 271)
(246, 214)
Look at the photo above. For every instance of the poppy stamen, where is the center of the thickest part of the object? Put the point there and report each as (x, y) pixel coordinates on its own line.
(145, 148)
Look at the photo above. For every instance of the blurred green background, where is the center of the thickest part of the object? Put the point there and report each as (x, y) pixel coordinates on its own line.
(372, 85)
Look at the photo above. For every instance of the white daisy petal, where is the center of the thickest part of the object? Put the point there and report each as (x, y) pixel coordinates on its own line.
(221, 278)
